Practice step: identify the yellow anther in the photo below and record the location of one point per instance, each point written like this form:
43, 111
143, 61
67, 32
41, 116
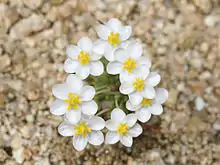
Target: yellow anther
113, 39
129, 65
139, 84
73, 101
84, 58
82, 129
123, 129
146, 102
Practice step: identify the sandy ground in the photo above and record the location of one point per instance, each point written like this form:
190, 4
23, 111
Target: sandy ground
183, 41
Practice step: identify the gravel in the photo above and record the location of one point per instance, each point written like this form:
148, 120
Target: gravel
182, 40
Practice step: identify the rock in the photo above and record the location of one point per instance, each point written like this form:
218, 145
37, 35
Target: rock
2, 101
43, 161
178, 121
8, 15
33, 95
4, 62
204, 5
156, 158
216, 125
33, 4
32, 24
18, 154
173, 94
30, 118
14, 84
3, 155
16, 142
200, 104
211, 20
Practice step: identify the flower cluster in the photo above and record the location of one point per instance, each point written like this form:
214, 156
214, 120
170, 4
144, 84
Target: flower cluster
126, 86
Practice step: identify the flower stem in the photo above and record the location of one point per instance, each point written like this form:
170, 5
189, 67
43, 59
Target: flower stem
103, 91
103, 111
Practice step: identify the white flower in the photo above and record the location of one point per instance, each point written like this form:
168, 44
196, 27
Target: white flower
128, 62
122, 127
73, 97
87, 130
112, 34
83, 59
147, 107
139, 87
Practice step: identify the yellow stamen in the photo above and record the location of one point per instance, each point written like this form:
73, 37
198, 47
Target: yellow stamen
113, 39
129, 65
82, 129
122, 129
73, 101
139, 84
146, 102
84, 58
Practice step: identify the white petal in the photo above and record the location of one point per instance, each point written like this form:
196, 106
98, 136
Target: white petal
143, 115
126, 88
130, 120
89, 107
96, 123
135, 50
95, 57
117, 115
83, 71
114, 24
132, 107
97, 68
60, 91
70, 65
148, 92
121, 55
135, 98
96, 138
125, 32
88, 92
73, 116
153, 79
72, 51
58, 107
112, 137
126, 77
79, 143
114, 67
142, 71
85, 44
144, 61
75, 83
136, 130
111, 125
161, 95
156, 109
66, 129
103, 32
126, 140
109, 52
99, 47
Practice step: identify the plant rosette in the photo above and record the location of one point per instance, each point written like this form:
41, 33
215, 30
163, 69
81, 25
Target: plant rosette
109, 89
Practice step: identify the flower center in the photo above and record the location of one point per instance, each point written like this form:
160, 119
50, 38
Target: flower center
113, 39
122, 129
129, 65
139, 84
146, 102
82, 129
73, 101
84, 58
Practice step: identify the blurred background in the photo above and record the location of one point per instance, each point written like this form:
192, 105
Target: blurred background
182, 38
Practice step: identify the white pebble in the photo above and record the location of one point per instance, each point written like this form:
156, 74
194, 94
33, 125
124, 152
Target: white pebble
200, 104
